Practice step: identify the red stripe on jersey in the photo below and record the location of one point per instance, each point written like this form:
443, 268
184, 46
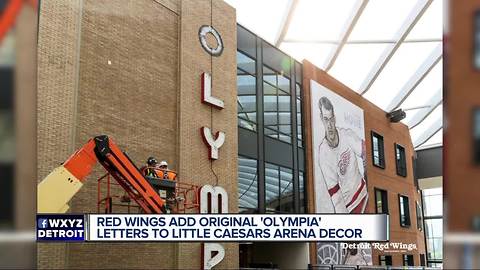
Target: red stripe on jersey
358, 209
355, 196
334, 190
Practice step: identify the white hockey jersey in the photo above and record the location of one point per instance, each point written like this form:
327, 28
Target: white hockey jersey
343, 172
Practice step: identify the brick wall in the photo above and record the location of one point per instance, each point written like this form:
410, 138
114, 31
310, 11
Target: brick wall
387, 178
194, 164
131, 70
461, 97
57, 72
127, 90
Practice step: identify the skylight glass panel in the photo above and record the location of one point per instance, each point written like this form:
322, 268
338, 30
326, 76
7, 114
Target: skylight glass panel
381, 20
430, 24
354, 62
429, 87
404, 63
434, 140
264, 18
318, 54
427, 124
320, 20
411, 113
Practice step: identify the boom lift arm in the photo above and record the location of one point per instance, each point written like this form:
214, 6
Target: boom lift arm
58, 188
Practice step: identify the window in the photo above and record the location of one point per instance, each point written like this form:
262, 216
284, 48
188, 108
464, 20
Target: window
378, 153
434, 231
278, 189
433, 202
269, 100
422, 259
407, 260
301, 181
435, 265
385, 260
298, 99
404, 211
476, 134
476, 57
6, 192
433, 224
7, 133
419, 217
247, 185
276, 104
246, 92
400, 160
381, 201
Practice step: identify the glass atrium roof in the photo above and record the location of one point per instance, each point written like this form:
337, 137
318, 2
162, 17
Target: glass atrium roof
388, 51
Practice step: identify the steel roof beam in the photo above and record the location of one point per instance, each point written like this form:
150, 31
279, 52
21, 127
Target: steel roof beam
348, 30
286, 20
388, 53
366, 41
429, 132
422, 115
416, 78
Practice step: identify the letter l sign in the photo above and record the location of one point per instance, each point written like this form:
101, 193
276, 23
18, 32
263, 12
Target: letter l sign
207, 92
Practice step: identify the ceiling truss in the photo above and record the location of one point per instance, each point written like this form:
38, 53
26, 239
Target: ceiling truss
388, 53
423, 111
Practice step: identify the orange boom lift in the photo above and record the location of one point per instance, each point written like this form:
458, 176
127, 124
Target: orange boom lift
57, 189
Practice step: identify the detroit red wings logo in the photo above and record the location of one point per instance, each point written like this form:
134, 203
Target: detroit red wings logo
344, 162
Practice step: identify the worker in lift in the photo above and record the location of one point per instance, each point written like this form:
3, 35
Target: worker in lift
150, 168
164, 173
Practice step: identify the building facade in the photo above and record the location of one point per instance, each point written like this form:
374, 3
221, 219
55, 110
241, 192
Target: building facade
462, 166
132, 70
389, 169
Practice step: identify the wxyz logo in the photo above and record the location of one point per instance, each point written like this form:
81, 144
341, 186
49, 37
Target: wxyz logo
61, 223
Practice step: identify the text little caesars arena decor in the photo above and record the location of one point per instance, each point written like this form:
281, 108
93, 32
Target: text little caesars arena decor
238, 228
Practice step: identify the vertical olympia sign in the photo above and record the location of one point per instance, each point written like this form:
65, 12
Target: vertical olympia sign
213, 142
212, 253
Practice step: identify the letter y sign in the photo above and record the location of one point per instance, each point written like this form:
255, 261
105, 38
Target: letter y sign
213, 144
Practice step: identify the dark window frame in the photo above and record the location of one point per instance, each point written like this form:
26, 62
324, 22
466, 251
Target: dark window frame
476, 137
280, 198
303, 205
423, 260
408, 260
401, 163
476, 40
406, 211
381, 149
254, 124
299, 98
268, 56
419, 215
289, 94
7, 167
384, 203
250, 210
385, 258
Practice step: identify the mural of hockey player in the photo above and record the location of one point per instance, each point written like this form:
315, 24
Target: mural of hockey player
341, 159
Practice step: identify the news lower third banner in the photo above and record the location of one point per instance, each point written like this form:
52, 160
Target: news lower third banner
213, 227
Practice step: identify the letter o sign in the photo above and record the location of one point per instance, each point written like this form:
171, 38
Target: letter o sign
202, 35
